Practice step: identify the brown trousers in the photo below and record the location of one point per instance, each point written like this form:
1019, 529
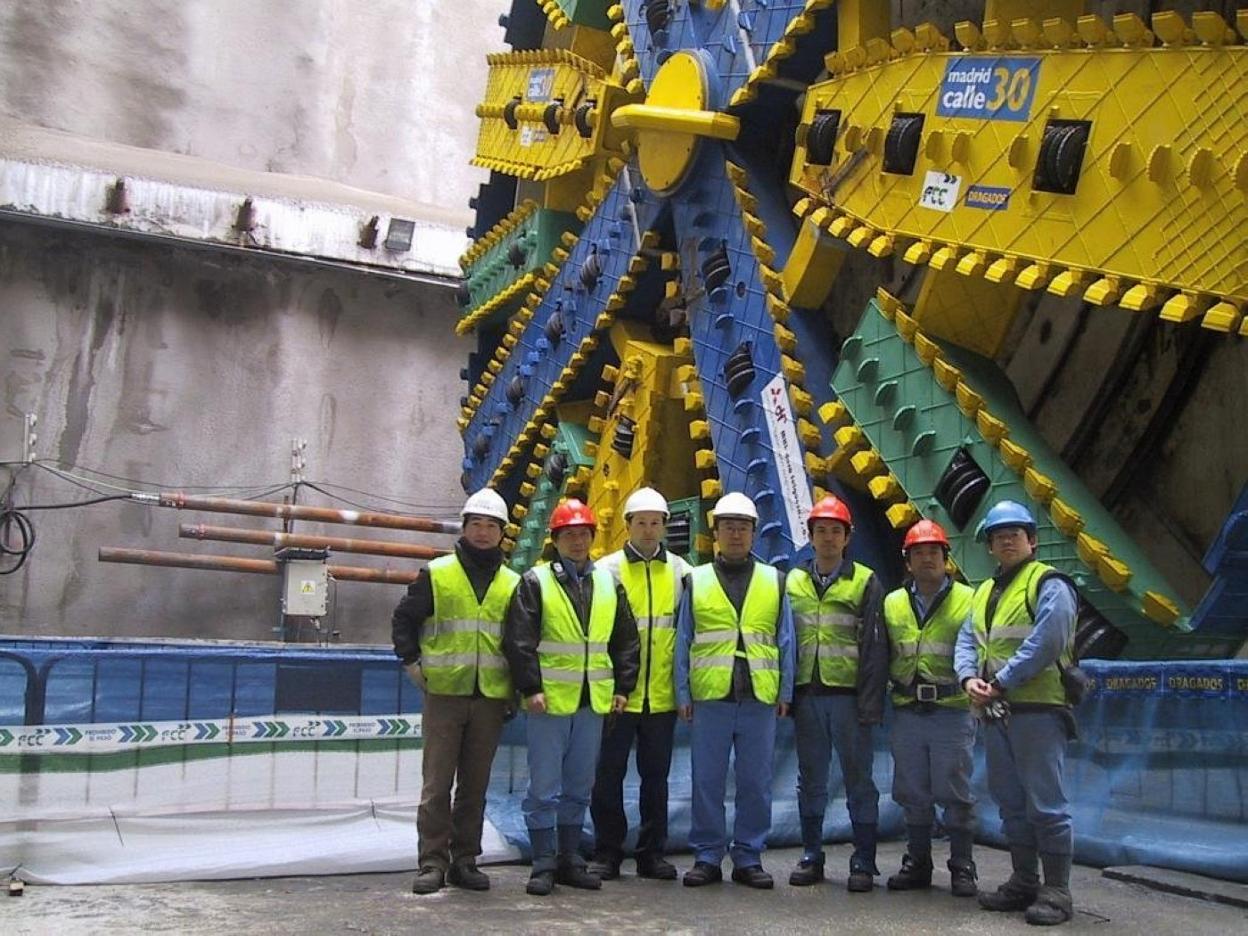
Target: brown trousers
460, 737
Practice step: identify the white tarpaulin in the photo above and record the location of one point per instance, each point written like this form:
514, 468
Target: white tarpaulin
259, 814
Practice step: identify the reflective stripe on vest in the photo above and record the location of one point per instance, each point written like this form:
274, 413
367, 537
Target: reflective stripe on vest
461, 644
652, 589
567, 655
1012, 623
828, 627
924, 654
717, 628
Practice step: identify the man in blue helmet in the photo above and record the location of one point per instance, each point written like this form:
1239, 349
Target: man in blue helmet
1010, 656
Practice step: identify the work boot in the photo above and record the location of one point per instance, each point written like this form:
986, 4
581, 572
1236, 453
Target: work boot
1053, 904
655, 867
606, 867
1010, 897
810, 869
703, 873
753, 876
1051, 907
429, 880
1019, 892
962, 871
862, 867
541, 883
914, 875
962, 878
576, 875
571, 869
542, 880
466, 875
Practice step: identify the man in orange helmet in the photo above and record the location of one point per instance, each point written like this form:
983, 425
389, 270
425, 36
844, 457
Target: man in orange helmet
933, 736
842, 673
572, 645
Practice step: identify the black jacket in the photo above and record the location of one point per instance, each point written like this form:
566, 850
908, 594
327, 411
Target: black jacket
523, 632
872, 648
416, 606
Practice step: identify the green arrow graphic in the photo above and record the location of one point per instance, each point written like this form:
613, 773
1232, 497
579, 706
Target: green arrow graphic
5, 737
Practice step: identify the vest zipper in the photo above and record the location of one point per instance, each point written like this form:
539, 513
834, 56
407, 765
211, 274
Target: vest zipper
645, 686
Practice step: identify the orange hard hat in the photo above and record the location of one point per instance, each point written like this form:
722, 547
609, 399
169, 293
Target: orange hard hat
830, 508
925, 531
572, 513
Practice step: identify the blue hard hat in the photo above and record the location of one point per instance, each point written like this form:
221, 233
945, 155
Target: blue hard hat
1006, 513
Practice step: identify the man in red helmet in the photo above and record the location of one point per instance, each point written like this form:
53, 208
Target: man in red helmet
933, 736
842, 673
572, 645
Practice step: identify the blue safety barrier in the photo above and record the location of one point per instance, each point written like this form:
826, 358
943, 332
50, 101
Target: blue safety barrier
1158, 775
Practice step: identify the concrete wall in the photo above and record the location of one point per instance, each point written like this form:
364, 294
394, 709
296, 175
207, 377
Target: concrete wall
379, 95
186, 368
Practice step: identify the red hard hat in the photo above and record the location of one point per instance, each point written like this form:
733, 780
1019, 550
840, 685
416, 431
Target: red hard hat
925, 531
572, 513
830, 508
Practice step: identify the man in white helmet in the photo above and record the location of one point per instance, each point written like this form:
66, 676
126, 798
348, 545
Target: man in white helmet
651, 577
448, 632
734, 678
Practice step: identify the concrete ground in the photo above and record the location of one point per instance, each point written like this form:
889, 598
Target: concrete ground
383, 903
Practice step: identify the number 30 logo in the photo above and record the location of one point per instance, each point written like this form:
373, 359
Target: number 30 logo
1012, 88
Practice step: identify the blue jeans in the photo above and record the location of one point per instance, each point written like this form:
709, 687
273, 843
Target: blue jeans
748, 731
563, 754
1025, 758
932, 763
825, 722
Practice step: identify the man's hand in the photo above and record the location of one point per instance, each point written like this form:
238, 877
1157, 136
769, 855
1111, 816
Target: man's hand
417, 675
617, 704
980, 691
782, 709
537, 703
686, 712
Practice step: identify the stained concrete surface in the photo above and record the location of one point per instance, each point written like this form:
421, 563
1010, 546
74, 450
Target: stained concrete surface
382, 903
185, 368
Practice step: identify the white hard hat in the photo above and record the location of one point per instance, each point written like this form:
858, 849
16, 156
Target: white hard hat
486, 503
644, 499
735, 505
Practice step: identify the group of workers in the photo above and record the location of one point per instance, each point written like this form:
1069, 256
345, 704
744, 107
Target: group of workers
606, 655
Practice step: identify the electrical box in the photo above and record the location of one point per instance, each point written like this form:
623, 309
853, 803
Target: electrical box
305, 581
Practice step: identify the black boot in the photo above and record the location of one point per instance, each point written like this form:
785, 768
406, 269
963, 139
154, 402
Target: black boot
914, 875
1019, 892
606, 867
570, 869
541, 883
916, 864
862, 868
962, 874
429, 880
963, 878
655, 867
465, 874
810, 869
753, 876
1053, 904
542, 879
703, 873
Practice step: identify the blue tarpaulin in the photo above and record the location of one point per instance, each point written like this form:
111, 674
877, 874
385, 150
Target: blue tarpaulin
1159, 774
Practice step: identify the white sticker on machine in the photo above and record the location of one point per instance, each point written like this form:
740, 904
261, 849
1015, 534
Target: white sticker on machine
789, 464
940, 191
